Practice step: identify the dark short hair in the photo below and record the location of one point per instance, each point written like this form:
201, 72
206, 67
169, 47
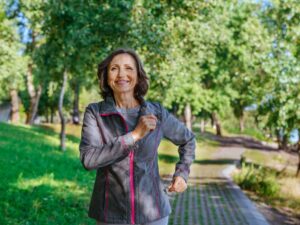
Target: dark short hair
142, 85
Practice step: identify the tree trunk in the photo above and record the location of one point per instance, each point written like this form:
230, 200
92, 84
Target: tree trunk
278, 138
298, 169
14, 106
51, 115
217, 124
202, 126
298, 148
241, 120
35, 104
61, 115
34, 96
75, 115
188, 116
47, 116
284, 143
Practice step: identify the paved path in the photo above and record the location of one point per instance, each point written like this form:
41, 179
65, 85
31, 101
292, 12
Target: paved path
212, 198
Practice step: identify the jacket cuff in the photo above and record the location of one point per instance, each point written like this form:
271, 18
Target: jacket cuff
127, 141
182, 172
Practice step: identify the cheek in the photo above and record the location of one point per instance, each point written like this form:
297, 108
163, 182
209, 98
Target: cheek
110, 78
135, 79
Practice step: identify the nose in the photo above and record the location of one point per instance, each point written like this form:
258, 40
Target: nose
121, 72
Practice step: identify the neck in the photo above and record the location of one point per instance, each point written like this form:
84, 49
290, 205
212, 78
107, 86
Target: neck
125, 101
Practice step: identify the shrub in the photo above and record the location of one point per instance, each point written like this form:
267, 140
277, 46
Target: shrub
257, 179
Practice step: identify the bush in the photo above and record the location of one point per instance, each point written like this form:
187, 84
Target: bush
257, 179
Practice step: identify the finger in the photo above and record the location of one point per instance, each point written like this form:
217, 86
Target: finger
147, 119
151, 116
151, 125
176, 183
182, 187
171, 189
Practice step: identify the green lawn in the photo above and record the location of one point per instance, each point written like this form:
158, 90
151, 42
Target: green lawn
42, 185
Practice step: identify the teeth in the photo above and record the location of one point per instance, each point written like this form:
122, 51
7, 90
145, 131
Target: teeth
122, 82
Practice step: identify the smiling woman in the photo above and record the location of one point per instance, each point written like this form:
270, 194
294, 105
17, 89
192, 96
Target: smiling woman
123, 66
122, 75
120, 138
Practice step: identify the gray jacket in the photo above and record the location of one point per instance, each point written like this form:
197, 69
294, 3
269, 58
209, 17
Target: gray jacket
128, 188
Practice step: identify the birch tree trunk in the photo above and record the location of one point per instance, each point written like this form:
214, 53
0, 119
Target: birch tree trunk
217, 124
202, 126
60, 111
188, 116
15, 106
242, 124
75, 115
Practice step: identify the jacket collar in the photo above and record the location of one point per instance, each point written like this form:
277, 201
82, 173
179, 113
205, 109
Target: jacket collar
108, 106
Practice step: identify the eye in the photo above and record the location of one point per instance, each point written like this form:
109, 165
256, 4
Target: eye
129, 68
113, 68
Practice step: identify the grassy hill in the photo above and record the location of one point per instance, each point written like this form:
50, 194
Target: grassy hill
41, 185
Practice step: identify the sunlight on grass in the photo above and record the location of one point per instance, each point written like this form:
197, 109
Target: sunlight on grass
290, 188
71, 129
273, 159
48, 180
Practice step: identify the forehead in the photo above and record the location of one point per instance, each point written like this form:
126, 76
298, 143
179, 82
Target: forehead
123, 58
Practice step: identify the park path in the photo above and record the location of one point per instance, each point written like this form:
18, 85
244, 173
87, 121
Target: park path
212, 198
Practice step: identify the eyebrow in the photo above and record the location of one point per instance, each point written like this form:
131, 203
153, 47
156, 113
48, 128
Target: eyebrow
118, 65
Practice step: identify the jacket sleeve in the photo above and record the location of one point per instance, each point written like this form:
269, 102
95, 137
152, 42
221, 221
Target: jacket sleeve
175, 131
94, 153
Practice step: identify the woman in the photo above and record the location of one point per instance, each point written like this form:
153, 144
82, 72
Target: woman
120, 137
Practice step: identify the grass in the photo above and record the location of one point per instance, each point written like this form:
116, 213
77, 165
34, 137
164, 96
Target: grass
280, 190
247, 132
42, 185
277, 160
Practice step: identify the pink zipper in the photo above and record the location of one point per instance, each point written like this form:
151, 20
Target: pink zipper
131, 170
131, 156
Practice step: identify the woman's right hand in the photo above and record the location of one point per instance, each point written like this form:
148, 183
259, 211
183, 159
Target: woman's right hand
145, 124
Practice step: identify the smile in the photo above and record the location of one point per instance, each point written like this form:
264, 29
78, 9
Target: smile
121, 82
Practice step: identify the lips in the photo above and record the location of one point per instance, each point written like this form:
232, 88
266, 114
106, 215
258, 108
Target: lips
122, 82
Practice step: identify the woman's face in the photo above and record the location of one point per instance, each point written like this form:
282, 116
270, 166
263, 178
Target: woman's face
122, 74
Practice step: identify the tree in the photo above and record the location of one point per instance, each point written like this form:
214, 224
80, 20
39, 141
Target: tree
281, 104
76, 33
11, 63
245, 55
30, 19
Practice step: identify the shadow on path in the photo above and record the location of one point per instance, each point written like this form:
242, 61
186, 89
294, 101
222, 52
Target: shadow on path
238, 141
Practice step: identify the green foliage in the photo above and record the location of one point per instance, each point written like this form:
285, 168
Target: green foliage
257, 179
281, 99
190, 56
11, 62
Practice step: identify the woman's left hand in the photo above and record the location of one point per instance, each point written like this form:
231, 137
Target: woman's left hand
178, 185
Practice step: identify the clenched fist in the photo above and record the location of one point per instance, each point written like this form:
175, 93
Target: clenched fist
145, 124
178, 185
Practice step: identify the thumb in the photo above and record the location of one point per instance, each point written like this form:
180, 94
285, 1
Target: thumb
171, 185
